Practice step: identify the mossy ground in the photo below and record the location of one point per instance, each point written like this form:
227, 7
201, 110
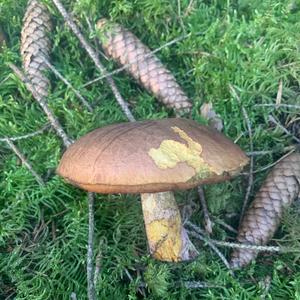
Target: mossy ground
251, 45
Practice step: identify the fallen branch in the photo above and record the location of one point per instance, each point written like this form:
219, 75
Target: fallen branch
93, 55
26, 136
200, 285
278, 105
90, 263
272, 164
242, 246
264, 152
279, 93
25, 161
213, 247
41, 101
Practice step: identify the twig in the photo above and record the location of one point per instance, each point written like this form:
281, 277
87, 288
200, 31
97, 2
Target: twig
90, 263
279, 93
242, 246
279, 105
54, 122
250, 176
263, 152
274, 121
213, 247
26, 136
272, 164
176, 40
68, 84
207, 221
93, 55
200, 285
249, 247
25, 162
200, 234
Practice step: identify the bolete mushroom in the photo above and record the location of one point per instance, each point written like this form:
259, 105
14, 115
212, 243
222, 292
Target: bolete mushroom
153, 158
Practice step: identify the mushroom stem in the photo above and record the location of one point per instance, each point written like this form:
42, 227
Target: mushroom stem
167, 238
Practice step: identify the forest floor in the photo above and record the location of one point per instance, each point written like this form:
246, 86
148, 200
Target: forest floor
235, 54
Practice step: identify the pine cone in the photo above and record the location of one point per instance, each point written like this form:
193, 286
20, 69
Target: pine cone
262, 218
126, 48
36, 44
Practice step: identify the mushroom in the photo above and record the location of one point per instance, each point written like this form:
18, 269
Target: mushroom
153, 158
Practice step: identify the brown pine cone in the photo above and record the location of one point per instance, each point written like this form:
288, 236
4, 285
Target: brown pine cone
262, 218
36, 44
126, 48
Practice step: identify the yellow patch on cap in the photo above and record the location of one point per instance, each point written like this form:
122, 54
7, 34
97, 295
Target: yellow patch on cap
171, 152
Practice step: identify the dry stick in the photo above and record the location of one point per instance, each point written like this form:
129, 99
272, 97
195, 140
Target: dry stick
25, 161
279, 93
200, 234
124, 106
264, 152
200, 285
176, 40
68, 84
274, 121
241, 246
26, 136
207, 221
90, 264
94, 57
213, 247
250, 247
54, 122
279, 105
250, 177
272, 164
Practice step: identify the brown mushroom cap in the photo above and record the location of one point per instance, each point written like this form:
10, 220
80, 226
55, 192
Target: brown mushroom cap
150, 156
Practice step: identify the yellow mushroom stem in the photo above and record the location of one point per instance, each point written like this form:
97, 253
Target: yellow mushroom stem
167, 238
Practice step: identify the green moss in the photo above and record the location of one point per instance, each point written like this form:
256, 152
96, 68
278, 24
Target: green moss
251, 45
